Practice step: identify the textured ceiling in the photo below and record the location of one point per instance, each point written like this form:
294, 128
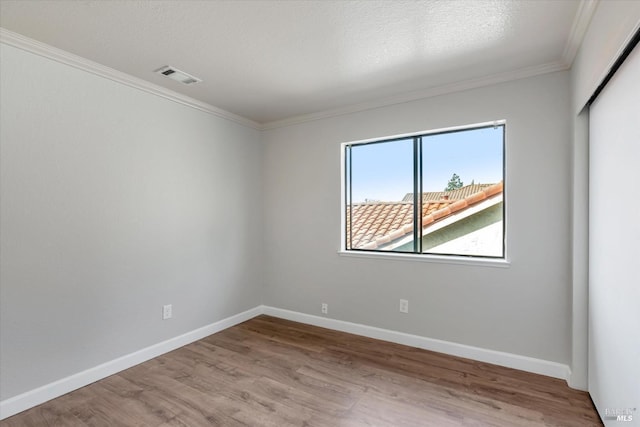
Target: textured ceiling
272, 60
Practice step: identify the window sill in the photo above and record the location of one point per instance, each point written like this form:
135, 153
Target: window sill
476, 262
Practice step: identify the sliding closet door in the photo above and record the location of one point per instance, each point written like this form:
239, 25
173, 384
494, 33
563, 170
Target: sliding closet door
614, 247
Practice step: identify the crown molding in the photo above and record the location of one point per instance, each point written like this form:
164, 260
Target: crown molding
583, 17
518, 74
585, 12
33, 46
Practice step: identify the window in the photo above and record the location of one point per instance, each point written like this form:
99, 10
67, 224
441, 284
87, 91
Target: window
439, 192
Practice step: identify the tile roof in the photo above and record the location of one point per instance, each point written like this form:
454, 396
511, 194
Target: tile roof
458, 194
376, 224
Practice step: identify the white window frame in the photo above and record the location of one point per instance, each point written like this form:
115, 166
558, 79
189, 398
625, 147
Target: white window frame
424, 257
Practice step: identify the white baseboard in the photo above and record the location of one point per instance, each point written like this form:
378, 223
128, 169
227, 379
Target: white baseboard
24, 401
509, 360
578, 382
55, 389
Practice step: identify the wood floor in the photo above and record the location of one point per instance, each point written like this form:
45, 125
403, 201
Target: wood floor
272, 372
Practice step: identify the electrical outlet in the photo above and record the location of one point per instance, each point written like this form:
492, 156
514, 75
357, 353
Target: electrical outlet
325, 308
167, 312
404, 306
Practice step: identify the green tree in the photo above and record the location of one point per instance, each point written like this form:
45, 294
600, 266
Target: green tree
454, 183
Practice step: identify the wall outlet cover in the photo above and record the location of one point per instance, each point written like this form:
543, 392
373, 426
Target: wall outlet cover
167, 312
404, 306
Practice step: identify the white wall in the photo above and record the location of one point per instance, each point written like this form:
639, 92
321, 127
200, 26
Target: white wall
115, 202
486, 241
612, 25
524, 309
614, 230
580, 251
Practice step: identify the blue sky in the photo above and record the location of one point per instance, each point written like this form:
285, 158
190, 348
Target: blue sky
384, 171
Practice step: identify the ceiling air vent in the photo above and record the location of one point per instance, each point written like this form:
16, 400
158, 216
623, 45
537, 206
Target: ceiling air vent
177, 75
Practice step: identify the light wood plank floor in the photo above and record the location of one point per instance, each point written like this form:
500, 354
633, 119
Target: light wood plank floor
272, 372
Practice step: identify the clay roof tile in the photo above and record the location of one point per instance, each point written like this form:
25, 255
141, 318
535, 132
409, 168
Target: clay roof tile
378, 223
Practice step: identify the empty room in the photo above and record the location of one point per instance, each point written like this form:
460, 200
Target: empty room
319, 213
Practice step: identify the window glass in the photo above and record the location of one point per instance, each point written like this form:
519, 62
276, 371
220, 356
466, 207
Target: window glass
380, 173
435, 193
